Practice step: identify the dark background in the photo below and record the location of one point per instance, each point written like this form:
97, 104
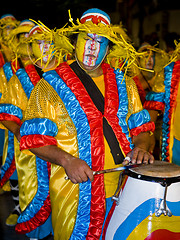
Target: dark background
54, 13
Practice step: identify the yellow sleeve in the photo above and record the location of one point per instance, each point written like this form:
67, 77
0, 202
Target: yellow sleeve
15, 94
3, 82
134, 102
42, 102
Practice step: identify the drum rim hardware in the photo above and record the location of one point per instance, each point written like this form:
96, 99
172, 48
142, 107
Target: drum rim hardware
163, 208
162, 180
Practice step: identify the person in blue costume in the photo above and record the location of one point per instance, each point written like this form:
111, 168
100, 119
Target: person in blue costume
85, 116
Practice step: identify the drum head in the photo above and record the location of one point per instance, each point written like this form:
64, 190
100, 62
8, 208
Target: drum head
158, 169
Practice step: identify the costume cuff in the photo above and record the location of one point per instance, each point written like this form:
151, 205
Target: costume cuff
10, 112
138, 119
155, 96
153, 105
38, 132
40, 126
147, 127
36, 141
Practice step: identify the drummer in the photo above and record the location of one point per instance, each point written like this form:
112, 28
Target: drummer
165, 99
82, 117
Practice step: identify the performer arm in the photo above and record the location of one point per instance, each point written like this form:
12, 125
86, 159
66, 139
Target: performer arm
140, 153
141, 127
76, 169
39, 131
13, 127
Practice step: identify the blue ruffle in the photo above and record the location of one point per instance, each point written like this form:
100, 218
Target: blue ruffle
138, 119
11, 109
41, 194
10, 154
123, 104
42, 126
165, 126
84, 145
8, 70
25, 81
155, 96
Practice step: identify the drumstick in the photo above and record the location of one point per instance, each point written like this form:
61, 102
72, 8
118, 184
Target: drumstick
115, 169
112, 169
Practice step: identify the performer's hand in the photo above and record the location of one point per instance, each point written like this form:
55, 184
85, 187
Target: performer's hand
139, 155
77, 170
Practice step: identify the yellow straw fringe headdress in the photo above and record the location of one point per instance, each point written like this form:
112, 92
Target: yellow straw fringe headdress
161, 57
4, 22
176, 53
121, 51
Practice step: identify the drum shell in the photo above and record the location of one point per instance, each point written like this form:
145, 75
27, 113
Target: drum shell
134, 216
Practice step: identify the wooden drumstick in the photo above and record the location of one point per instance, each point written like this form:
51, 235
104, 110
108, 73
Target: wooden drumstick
112, 169
115, 169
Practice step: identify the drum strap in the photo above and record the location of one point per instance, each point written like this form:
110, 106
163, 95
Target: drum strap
98, 100
39, 71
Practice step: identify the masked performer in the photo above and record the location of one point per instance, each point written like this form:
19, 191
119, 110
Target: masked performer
78, 118
35, 219
164, 98
8, 68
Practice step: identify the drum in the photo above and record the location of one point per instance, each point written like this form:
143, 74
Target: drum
148, 206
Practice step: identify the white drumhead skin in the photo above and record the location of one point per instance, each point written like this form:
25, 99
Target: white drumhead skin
158, 169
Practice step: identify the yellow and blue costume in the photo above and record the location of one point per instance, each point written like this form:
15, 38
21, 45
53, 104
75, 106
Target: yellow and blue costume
68, 119
35, 219
164, 97
61, 112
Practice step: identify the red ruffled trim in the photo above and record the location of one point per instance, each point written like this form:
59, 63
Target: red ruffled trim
32, 73
36, 141
97, 148
140, 88
8, 173
2, 62
154, 105
150, 126
39, 218
9, 117
112, 105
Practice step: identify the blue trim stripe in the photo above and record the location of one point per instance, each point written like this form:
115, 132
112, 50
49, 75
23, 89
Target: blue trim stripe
41, 126
165, 126
25, 81
123, 104
84, 144
138, 119
8, 70
155, 96
11, 109
10, 154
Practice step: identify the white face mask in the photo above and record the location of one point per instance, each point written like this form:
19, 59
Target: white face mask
41, 50
91, 50
44, 47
